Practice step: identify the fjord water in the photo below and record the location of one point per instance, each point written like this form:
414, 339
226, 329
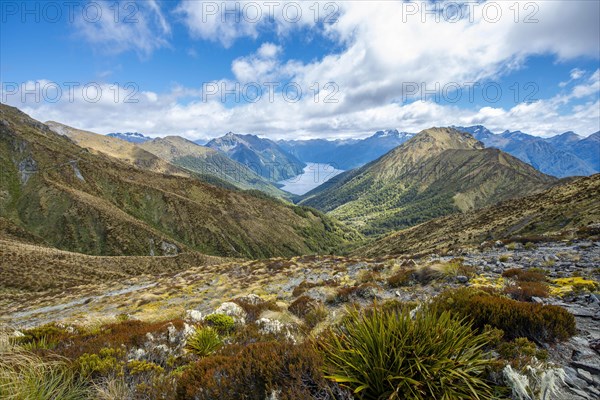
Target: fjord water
313, 175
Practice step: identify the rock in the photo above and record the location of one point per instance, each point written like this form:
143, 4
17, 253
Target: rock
193, 315
462, 279
233, 310
253, 299
586, 376
537, 300
270, 326
498, 243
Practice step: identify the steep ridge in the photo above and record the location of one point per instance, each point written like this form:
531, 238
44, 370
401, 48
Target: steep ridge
263, 156
570, 206
117, 148
438, 172
98, 205
206, 161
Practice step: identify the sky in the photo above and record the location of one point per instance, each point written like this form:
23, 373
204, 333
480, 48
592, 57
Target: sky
303, 69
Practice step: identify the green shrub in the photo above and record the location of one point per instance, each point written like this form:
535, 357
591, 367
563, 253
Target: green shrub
223, 324
537, 322
204, 341
107, 361
520, 352
388, 355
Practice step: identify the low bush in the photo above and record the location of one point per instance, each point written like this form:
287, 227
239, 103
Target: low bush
364, 291
537, 322
520, 353
404, 277
388, 355
223, 324
253, 310
302, 306
257, 371
525, 275
204, 341
525, 291
108, 361
132, 333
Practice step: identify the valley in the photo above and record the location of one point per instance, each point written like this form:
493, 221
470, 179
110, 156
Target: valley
152, 264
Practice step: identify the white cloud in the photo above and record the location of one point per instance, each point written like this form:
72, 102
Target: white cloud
383, 48
124, 26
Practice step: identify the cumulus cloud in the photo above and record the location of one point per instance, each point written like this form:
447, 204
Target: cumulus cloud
382, 50
124, 26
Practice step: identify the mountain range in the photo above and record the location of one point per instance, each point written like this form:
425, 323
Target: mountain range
209, 162
263, 156
567, 154
65, 196
437, 172
346, 154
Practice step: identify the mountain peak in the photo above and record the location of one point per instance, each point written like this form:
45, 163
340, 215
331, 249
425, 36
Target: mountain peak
133, 137
445, 139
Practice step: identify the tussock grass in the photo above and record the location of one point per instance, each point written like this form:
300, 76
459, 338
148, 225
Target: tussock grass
387, 355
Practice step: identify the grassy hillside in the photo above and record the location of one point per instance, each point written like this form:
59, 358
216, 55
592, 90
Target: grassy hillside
206, 161
569, 209
94, 204
438, 172
117, 148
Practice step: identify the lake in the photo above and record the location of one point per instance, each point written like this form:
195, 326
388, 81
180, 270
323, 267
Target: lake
313, 175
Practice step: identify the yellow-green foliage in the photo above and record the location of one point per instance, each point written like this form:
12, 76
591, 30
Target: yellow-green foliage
108, 360
521, 352
483, 281
387, 355
575, 283
222, 323
204, 341
142, 366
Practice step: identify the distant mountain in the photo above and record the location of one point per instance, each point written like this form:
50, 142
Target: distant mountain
561, 156
346, 154
206, 161
569, 209
588, 149
263, 156
120, 149
437, 172
132, 137
79, 200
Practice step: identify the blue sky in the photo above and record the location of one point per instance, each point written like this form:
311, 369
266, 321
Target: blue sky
536, 70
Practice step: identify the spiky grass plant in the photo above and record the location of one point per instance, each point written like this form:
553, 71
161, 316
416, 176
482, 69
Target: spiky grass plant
25, 376
387, 355
204, 341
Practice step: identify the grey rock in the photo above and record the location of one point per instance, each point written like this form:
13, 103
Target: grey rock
585, 375
462, 279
